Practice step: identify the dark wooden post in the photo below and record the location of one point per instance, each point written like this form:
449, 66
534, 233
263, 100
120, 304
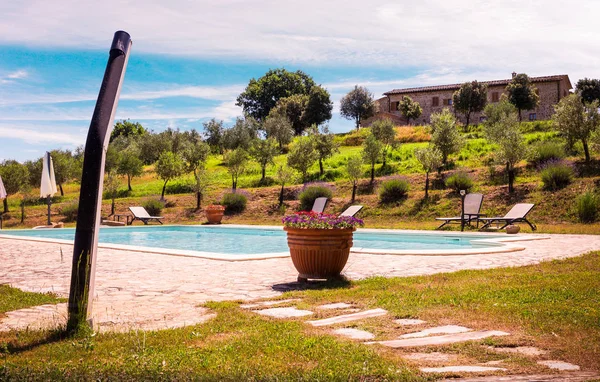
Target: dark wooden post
90, 197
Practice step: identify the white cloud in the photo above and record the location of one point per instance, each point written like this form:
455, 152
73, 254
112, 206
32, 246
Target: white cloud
545, 36
17, 75
33, 135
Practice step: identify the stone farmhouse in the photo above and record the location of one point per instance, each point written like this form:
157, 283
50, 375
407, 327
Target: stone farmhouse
434, 98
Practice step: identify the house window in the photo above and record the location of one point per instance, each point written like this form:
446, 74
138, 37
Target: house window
395, 106
532, 116
435, 101
448, 102
495, 97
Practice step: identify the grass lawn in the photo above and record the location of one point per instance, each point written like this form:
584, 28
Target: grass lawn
553, 305
13, 299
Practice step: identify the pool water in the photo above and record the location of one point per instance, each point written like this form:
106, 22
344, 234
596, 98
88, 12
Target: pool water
248, 241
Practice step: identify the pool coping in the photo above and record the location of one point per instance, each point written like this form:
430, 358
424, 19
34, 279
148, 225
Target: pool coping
489, 246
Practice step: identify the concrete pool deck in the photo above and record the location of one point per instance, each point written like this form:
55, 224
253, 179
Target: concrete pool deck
139, 290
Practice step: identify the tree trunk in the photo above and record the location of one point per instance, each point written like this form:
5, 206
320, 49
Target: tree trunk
520, 118
198, 200
264, 173
62, 193
281, 196
320, 167
511, 180
112, 206
426, 185
408, 121
468, 118
162, 195
384, 158
6, 205
129, 182
586, 150
372, 173
357, 122
354, 186
233, 183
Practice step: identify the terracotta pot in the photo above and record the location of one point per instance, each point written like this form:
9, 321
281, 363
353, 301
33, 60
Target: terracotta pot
214, 215
512, 229
319, 253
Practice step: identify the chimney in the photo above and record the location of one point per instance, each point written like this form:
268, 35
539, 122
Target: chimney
514, 74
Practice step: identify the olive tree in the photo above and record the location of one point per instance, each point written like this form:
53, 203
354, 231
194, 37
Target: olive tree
430, 159
358, 105
354, 171
522, 93
410, 109
283, 176
302, 156
169, 166
195, 156
130, 165
503, 132
470, 98
577, 121
371, 151
111, 187
14, 176
385, 132
444, 134
263, 151
64, 167
236, 162
324, 144
278, 127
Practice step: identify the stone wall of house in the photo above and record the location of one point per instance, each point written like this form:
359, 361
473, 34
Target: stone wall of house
550, 93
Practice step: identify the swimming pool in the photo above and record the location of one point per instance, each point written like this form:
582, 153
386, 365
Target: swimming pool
235, 242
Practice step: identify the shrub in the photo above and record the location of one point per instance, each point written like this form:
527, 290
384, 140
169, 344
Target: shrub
587, 207
309, 194
153, 206
556, 176
180, 187
234, 202
393, 191
546, 151
70, 211
411, 134
460, 180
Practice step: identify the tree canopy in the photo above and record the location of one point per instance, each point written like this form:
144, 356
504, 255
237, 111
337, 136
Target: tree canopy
410, 109
576, 121
358, 105
588, 89
444, 134
169, 166
385, 132
470, 98
522, 93
126, 128
14, 176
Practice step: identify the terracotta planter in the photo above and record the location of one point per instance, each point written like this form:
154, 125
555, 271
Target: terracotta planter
319, 253
214, 214
512, 229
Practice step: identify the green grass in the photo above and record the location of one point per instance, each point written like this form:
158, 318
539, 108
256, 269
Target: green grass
553, 305
13, 299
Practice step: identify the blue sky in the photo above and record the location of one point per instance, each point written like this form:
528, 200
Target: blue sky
189, 61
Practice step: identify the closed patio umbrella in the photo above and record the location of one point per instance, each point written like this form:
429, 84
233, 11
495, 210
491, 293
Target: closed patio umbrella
48, 185
3, 195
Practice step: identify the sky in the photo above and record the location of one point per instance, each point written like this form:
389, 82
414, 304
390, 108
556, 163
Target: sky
191, 59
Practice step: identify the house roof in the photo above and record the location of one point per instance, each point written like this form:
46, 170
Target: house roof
489, 83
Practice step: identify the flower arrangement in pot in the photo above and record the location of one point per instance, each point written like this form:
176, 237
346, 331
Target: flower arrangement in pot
214, 213
319, 243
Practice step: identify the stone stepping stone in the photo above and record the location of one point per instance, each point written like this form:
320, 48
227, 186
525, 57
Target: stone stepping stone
349, 317
409, 321
524, 350
284, 312
337, 305
431, 357
559, 365
440, 340
562, 377
355, 334
461, 369
267, 303
446, 329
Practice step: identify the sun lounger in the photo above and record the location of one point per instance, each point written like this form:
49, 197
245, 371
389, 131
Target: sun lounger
473, 204
516, 214
320, 204
351, 211
140, 213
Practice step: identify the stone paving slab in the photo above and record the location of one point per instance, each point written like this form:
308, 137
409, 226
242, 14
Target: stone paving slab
524, 350
349, 317
461, 369
566, 377
431, 357
409, 322
559, 365
440, 340
162, 285
446, 329
284, 312
337, 305
355, 334
268, 303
